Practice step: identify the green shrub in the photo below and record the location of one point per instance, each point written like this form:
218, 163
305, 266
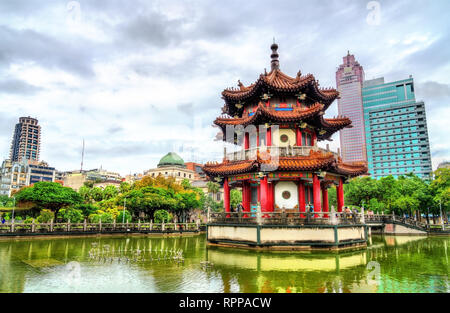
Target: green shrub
120, 218
162, 215
29, 220
104, 217
72, 214
46, 216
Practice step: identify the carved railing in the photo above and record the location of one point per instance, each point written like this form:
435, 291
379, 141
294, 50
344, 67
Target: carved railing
46, 228
250, 154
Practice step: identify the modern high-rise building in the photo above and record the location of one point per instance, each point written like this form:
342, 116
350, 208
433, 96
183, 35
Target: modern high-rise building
26, 140
349, 80
396, 129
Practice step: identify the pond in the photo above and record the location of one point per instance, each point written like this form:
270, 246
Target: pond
186, 264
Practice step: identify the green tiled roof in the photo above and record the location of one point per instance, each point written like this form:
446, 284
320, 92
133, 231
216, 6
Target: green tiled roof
171, 159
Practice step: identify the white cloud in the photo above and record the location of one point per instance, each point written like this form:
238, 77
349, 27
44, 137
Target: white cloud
130, 78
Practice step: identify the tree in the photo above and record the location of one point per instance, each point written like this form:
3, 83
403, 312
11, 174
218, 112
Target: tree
124, 187
162, 216
235, 197
45, 216
361, 189
96, 194
214, 205
70, 214
120, 218
85, 193
109, 192
213, 188
48, 195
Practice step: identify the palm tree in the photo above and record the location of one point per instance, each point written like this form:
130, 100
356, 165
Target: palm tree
213, 188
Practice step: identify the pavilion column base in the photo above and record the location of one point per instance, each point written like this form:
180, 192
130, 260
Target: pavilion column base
279, 237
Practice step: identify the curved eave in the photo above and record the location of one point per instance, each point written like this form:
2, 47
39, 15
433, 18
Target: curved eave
230, 168
269, 115
351, 169
315, 161
332, 125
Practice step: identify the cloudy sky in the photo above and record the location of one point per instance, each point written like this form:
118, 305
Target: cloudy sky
137, 79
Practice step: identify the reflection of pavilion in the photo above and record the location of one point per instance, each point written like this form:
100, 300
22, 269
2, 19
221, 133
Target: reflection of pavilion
285, 261
292, 272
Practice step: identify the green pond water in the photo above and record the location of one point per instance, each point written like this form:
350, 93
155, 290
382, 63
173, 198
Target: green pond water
130, 264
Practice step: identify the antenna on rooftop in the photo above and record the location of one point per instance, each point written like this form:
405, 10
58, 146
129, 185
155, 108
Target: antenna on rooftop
82, 157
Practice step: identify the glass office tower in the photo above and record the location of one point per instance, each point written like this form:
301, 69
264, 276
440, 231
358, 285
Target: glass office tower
396, 129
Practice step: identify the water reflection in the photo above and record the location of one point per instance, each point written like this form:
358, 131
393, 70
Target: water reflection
404, 264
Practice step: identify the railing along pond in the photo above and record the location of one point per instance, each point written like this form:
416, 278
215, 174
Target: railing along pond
287, 218
100, 227
389, 218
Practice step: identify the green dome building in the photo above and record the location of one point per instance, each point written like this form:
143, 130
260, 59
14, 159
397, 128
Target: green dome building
172, 165
171, 159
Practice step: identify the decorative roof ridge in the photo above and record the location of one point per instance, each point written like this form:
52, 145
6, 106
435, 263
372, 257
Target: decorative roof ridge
317, 108
269, 78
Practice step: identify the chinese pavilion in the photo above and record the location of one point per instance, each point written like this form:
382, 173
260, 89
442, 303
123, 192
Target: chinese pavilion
280, 166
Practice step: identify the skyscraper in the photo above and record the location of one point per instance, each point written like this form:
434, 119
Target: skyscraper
349, 80
396, 129
26, 140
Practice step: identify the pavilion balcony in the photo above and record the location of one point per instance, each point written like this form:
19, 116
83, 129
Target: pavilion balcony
250, 154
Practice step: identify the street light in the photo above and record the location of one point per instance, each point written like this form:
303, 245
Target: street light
123, 214
14, 206
440, 210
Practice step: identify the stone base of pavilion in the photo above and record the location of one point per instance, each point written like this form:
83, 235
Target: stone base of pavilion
278, 231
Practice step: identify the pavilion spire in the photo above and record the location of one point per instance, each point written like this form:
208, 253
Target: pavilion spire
274, 64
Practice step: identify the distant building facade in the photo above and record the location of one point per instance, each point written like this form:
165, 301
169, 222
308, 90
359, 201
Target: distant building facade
349, 81
444, 164
197, 168
396, 129
26, 140
15, 175
172, 165
76, 179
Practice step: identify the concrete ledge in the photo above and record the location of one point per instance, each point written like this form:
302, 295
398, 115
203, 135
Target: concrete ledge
288, 237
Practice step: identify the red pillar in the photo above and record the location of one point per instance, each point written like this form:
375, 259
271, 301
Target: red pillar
314, 138
246, 141
271, 197
301, 198
226, 195
299, 137
340, 195
246, 197
316, 194
325, 200
269, 137
264, 194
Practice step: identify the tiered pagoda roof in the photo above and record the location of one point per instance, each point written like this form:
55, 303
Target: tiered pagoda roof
313, 115
316, 160
277, 81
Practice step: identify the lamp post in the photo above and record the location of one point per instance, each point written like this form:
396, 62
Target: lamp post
440, 210
123, 214
14, 206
